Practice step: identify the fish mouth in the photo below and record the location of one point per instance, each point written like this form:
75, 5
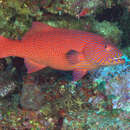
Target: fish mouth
119, 60
115, 61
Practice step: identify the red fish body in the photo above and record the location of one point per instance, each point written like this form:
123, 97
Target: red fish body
62, 49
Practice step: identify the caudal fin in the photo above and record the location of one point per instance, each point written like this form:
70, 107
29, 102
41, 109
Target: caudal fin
7, 47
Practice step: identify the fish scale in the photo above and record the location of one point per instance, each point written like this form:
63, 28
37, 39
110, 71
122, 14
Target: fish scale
62, 49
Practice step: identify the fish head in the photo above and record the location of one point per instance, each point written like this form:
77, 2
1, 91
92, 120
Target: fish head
103, 53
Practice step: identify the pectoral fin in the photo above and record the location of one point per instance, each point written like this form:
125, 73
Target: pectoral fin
32, 66
78, 62
74, 57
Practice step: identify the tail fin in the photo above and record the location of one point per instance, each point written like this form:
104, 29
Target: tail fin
6, 47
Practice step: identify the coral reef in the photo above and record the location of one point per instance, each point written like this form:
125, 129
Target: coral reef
48, 100
117, 84
108, 30
109, 103
96, 102
16, 16
126, 3
7, 83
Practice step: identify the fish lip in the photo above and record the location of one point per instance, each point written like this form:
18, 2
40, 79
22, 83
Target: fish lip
122, 61
119, 60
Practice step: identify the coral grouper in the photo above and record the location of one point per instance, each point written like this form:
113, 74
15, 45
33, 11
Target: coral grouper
70, 50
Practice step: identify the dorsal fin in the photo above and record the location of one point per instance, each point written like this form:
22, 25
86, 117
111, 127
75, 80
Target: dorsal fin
37, 27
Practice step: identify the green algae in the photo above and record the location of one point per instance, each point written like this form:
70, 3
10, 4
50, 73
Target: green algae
16, 17
15, 20
108, 30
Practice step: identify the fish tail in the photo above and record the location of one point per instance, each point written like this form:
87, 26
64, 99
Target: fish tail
7, 47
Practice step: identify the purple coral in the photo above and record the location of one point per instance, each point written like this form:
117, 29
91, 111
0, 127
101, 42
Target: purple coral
117, 80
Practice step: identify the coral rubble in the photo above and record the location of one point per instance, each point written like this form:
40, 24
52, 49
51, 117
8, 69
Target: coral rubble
48, 100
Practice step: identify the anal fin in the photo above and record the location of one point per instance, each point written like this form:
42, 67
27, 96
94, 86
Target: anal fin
33, 66
78, 74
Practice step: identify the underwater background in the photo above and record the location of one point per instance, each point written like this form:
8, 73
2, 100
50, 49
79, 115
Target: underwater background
47, 99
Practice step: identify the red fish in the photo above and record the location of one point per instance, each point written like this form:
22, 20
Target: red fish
70, 50
84, 12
